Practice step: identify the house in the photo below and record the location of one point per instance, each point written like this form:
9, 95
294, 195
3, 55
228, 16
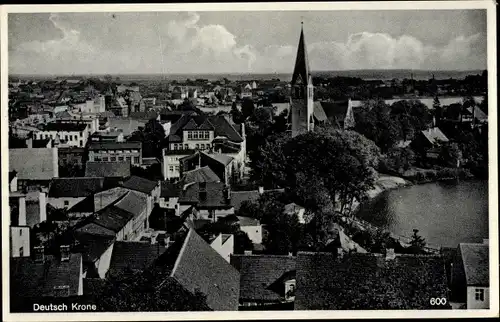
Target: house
470, 275
171, 162
292, 209
427, 142
223, 166
169, 195
33, 278
45, 143
34, 167
134, 256
124, 218
108, 169
19, 230
251, 226
223, 244
331, 281
265, 280
66, 192
116, 151
150, 189
111, 136
212, 275
196, 132
65, 134
211, 200
96, 250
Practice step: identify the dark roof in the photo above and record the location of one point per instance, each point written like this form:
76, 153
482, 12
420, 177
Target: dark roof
134, 255
259, 274
238, 197
214, 196
218, 123
30, 279
335, 111
169, 190
74, 187
211, 275
140, 184
66, 127
221, 158
92, 246
203, 174
34, 164
368, 281
107, 169
301, 68
115, 145
475, 258
40, 143
12, 175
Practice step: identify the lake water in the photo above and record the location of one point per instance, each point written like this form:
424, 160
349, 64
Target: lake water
445, 213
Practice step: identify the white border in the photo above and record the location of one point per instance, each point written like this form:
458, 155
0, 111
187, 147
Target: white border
303, 6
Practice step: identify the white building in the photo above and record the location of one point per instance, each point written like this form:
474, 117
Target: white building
65, 134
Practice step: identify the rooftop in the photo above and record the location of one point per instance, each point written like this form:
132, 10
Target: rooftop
475, 258
34, 164
65, 127
140, 184
74, 187
107, 169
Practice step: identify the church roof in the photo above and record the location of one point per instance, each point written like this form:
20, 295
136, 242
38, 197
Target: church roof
301, 70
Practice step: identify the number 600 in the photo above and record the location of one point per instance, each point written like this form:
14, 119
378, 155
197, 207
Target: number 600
438, 301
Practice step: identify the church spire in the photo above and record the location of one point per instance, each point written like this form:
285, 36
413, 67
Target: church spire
301, 70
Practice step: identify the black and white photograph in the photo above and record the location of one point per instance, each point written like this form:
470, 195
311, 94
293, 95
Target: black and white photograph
294, 157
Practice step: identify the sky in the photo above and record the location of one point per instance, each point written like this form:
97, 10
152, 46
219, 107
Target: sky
244, 42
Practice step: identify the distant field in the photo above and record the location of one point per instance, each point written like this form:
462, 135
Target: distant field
364, 74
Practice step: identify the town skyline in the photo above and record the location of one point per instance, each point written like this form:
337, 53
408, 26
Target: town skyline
212, 42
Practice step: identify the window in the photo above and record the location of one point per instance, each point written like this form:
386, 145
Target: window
171, 168
136, 160
207, 135
61, 291
186, 146
202, 146
120, 158
97, 159
190, 135
195, 135
479, 294
105, 159
20, 232
112, 159
66, 203
21, 251
128, 159
177, 168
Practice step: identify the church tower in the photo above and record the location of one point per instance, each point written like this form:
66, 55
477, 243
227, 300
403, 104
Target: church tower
302, 91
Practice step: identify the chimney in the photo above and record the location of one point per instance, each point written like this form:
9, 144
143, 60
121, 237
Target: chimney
261, 190
248, 252
22, 211
227, 193
390, 254
39, 254
243, 132
64, 250
42, 201
433, 121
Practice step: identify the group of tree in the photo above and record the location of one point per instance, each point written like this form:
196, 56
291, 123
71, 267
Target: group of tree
324, 171
152, 136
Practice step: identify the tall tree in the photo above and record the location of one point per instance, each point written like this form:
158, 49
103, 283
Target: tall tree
247, 107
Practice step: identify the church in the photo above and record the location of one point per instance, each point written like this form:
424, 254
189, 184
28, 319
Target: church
304, 111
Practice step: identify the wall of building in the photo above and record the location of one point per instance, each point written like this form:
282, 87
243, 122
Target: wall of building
19, 238
104, 261
254, 233
226, 249
71, 138
206, 214
472, 303
64, 202
134, 156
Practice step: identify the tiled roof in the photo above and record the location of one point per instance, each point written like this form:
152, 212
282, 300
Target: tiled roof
258, 274
203, 174
434, 135
134, 255
247, 221
92, 246
218, 123
214, 196
368, 281
107, 169
211, 275
140, 184
66, 127
115, 145
30, 279
74, 187
301, 69
336, 111
238, 197
169, 190
478, 113
221, 158
133, 203
475, 258
34, 164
